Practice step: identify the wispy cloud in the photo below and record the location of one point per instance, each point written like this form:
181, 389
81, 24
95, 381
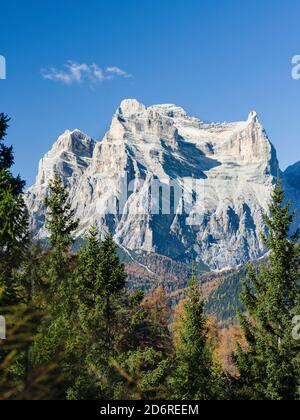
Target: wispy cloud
77, 73
118, 72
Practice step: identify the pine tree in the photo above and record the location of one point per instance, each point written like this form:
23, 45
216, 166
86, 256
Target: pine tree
144, 373
13, 220
111, 328
87, 271
7, 156
13, 237
146, 361
61, 224
89, 364
55, 283
6, 153
197, 376
102, 317
271, 299
111, 280
17, 380
13, 243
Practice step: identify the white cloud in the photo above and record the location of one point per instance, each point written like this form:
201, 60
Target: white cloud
118, 72
76, 73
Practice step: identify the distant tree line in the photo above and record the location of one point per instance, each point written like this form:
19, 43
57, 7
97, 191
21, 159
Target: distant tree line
75, 332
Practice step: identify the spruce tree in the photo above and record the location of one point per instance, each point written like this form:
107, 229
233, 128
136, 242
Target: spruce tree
103, 308
17, 381
13, 220
87, 270
145, 364
89, 364
13, 237
61, 225
196, 376
56, 296
61, 222
143, 375
7, 156
271, 299
111, 281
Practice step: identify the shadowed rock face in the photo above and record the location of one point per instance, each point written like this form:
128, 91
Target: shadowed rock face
292, 176
291, 182
235, 162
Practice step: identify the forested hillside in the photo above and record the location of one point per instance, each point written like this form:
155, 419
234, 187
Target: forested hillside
82, 326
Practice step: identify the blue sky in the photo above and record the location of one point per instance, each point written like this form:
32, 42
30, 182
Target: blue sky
218, 59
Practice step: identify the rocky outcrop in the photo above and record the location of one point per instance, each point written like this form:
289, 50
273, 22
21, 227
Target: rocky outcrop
166, 183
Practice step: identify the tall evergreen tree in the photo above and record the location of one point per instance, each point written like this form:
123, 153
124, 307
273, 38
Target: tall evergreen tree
145, 364
103, 312
6, 153
87, 271
13, 237
196, 376
113, 329
7, 156
13, 220
144, 373
89, 366
17, 381
61, 224
56, 281
271, 298
111, 278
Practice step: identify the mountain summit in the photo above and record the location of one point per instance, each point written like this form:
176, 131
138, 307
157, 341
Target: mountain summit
138, 183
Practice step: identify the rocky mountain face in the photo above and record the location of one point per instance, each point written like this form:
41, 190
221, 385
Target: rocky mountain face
166, 183
70, 156
291, 182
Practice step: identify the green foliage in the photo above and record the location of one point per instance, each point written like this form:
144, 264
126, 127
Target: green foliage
101, 281
57, 268
51, 278
13, 220
13, 234
18, 380
75, 332
90, 321
61, 224
271, 297
111, 274
145, 373
225, 302
196, 376
13, 225
112, 326
7, 157
6, 153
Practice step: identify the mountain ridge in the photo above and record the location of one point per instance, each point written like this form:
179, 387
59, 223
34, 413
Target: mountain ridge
235, 165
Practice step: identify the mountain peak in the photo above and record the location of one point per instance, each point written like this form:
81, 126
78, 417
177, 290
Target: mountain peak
235, 162
74, 141
130, 107
253, 117
169, 110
